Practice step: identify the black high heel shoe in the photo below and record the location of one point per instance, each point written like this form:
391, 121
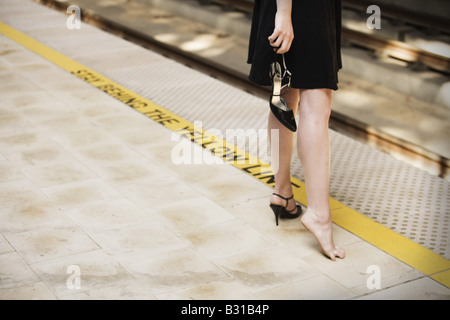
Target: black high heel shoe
277, 104
282, 212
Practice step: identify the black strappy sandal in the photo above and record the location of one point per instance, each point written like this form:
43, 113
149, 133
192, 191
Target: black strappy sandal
281, 81
282, 212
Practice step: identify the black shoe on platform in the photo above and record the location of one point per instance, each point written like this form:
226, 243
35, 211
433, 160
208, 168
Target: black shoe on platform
282, 212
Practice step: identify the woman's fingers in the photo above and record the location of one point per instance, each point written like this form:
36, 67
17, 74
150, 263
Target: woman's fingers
285, 46
281, 43
275, 39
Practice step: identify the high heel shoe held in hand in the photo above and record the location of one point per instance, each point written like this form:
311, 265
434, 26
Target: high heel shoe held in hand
281, 81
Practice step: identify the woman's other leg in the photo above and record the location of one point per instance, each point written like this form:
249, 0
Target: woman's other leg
281, 152
314, 153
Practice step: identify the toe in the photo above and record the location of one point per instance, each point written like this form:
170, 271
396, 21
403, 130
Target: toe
339, 253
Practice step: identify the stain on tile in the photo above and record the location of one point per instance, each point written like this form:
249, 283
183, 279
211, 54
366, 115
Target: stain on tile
106, 153
225, 239
45, 244
59, 173
175, 270
19, 139
260, 270
136, 240
102, 216
94, 269
78, 194
125, 172
216, 290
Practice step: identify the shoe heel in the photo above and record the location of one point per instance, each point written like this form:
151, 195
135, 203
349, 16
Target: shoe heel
276, 210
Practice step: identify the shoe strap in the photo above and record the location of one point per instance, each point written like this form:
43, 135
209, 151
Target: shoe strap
283, 87
290, 211
287, 199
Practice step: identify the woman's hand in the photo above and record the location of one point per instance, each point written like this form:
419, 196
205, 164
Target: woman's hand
283, 34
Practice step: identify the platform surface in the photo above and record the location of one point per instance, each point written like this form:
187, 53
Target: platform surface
91, 188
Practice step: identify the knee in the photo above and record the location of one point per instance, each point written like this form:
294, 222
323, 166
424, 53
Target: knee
316, 104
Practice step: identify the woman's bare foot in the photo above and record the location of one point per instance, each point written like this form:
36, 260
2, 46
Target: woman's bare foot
323, 232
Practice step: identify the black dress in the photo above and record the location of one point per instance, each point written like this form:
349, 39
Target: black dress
314, 58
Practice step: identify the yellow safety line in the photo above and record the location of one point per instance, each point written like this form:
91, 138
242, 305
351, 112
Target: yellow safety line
403, 249
443, 277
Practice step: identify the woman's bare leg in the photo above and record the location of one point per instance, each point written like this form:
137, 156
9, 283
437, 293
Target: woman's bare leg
314, 153
281, 152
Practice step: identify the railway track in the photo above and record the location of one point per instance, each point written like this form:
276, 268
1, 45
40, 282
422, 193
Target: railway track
338, 122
